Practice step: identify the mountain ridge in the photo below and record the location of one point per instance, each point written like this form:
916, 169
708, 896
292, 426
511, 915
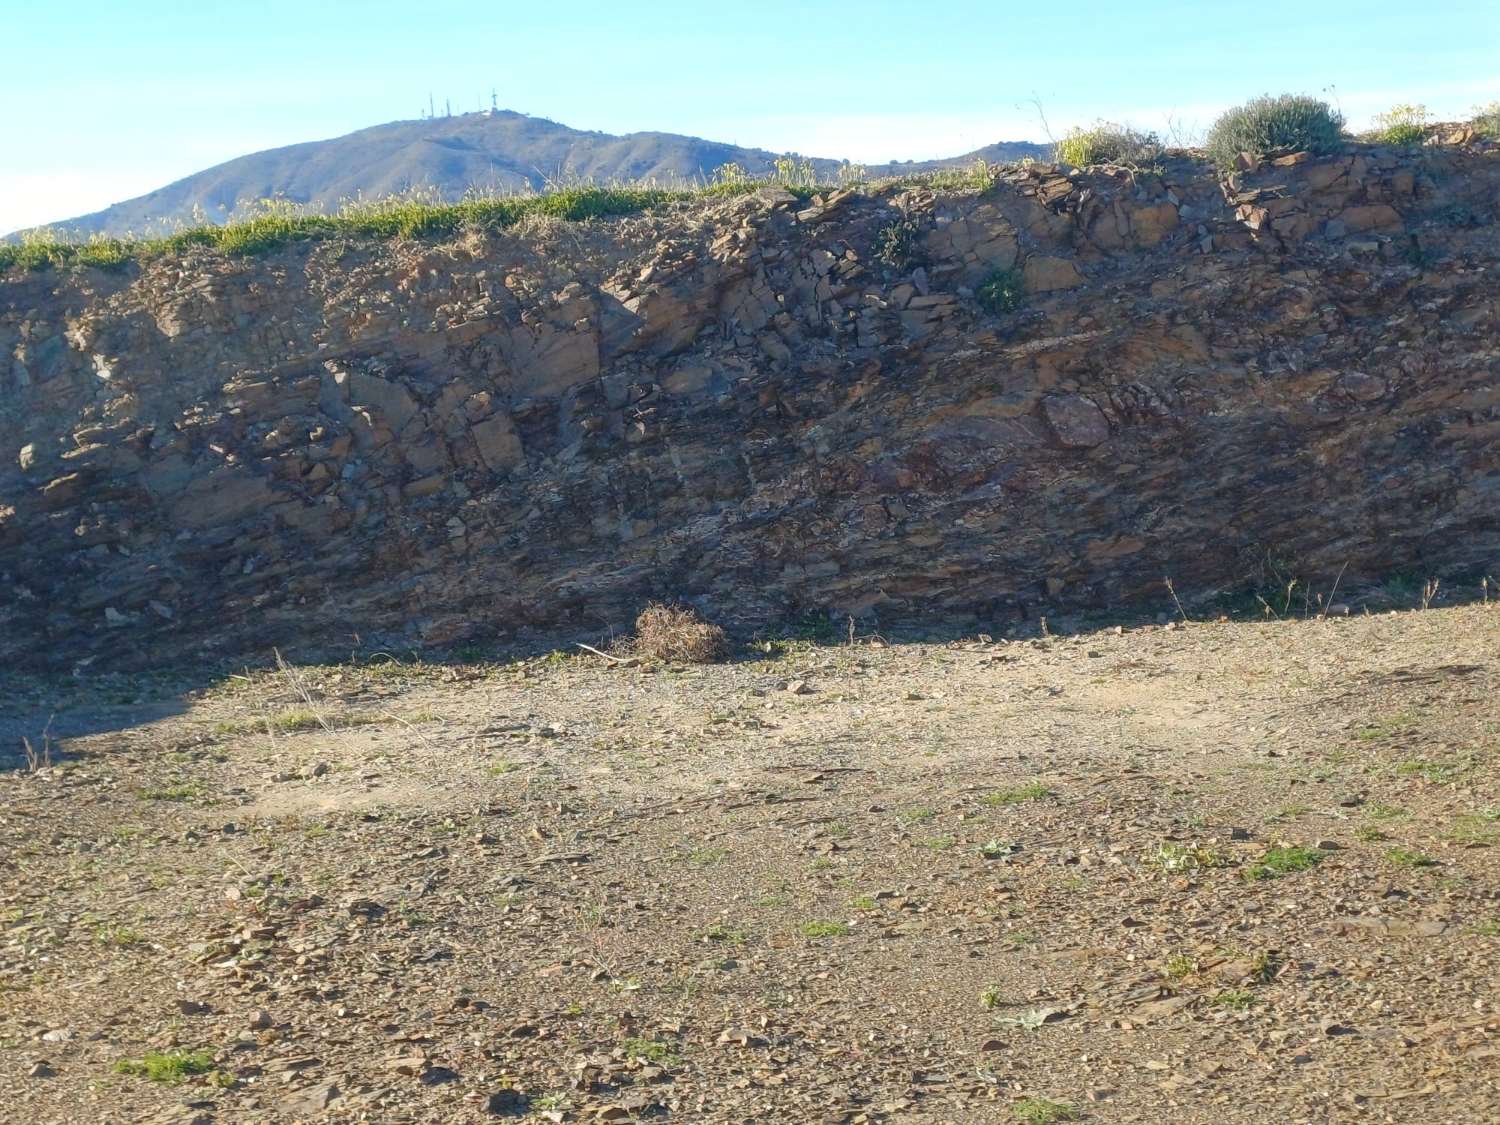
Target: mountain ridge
494, 150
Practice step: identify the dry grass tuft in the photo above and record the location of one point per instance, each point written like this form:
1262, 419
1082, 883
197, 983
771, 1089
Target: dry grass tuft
676, 633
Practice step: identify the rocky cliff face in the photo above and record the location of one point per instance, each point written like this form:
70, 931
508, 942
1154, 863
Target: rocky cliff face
741, 405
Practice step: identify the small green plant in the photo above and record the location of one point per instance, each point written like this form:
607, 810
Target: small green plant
991, 998
1176, 859
1003, 291
121, 937
938, 843
862, 902
1270, 126
822, 929
168, 1067
896, 244
1031, 791
731, 179
1406, 857
722, 933
1236, 1000
1042, 1111
1401, 125
705, 857
796, 174
650, 1050
1370, 834
1284, 860
916, 815
1265, 966
1486, 929
1179, 966
1107, 143
998, 849
1386, 812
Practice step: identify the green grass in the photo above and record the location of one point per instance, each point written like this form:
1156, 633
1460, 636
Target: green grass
1020, 794
272, 224
722, 933
1285, 860
279, 223
293, 721
1405, 857
1107, 143
169, 1067
1480, 829
820, 929
180, 792
1434, 773
1236, 1000
121, 937
1042, 1111
652, 1050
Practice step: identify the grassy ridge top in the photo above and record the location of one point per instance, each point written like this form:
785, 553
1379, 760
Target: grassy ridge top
278, 223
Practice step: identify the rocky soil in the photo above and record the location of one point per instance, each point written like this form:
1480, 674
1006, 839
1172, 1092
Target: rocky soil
766, 406
1227, 873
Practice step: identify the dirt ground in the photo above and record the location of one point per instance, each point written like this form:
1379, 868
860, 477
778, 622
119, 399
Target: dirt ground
1207, 873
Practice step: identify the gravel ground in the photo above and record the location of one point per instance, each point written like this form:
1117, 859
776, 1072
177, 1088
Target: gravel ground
1207, 873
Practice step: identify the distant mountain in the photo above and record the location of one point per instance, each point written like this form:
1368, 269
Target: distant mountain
498, 150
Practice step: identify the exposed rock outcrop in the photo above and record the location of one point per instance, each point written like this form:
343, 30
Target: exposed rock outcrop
737, 403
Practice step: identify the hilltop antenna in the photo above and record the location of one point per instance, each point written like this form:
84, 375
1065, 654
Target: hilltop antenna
494, 100
431, 106
447, 107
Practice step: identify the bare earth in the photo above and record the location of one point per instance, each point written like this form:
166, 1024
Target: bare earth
967, 882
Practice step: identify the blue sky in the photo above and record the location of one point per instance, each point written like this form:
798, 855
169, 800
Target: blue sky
106, 99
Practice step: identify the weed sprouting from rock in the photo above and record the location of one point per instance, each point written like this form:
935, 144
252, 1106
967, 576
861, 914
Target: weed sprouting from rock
1003, 291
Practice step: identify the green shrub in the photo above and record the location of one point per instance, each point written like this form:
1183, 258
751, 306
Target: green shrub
1268, 126
1284, 860
1400, 125
1003, 291
1487, 121
1107, 143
